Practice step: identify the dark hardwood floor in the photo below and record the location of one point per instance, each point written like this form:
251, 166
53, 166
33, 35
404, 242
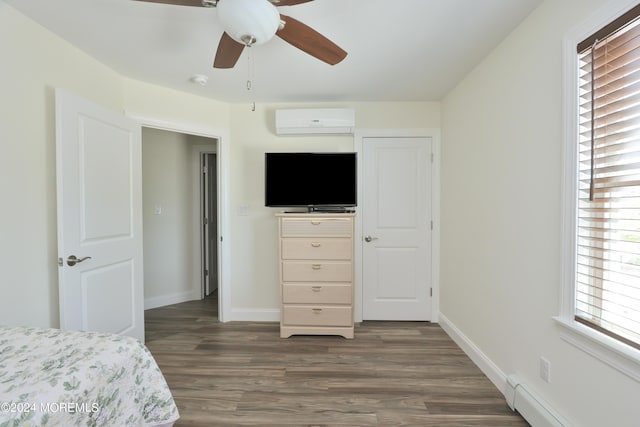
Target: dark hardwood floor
391, 374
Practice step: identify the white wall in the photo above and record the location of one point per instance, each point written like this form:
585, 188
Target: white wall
501, 216
34, 62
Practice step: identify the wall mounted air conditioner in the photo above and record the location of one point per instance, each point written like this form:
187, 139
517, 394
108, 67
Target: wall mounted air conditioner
315, 121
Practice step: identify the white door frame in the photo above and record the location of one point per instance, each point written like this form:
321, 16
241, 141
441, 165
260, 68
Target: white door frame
223, 166
197, 153
434, 134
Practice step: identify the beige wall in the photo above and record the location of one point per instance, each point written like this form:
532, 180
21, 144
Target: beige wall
254, 262
33, 63
169, 206
41, 62
501, 218
172, 244
501, 175
254, 245
167, 106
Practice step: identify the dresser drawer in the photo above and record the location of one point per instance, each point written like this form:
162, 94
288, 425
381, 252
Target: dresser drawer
321, 271
316, 226
338, 248
317, 316
294, 293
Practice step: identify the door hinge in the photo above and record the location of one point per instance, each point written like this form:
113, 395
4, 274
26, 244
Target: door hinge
206, 272
206, 221
60, 262
221, 238
430, 292
431, 225
431, 157
204, 170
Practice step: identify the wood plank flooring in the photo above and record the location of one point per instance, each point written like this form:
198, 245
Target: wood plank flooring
391, 374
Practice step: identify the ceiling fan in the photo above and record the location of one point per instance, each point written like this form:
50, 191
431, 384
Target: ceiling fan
253, 22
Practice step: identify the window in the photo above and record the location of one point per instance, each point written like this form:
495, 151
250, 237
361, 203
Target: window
607, 241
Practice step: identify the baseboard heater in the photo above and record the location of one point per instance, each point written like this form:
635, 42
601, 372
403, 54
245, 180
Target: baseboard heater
532, 408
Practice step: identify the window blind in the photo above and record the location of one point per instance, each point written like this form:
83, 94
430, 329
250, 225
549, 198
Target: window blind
608, 208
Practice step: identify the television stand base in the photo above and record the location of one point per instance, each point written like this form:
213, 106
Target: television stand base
329, 209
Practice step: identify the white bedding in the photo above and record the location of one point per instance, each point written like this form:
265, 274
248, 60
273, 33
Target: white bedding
50, 377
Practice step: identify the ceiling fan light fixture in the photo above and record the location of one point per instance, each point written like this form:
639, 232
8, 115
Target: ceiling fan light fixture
250, 22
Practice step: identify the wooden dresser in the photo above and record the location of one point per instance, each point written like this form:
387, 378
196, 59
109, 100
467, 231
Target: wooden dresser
316, 274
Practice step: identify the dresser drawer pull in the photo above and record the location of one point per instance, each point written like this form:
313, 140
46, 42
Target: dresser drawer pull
315, 222
316, 266
316, 288
315, 245
316, 310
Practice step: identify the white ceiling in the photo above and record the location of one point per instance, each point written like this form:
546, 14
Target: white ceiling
398, 50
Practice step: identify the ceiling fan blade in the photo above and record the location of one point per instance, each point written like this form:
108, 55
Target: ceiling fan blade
228, 52
288, 2
310, 41
196, 3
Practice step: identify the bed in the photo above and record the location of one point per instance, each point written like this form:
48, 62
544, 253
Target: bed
50, 377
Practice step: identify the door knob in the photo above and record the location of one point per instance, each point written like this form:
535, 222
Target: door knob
369, 238
73, 260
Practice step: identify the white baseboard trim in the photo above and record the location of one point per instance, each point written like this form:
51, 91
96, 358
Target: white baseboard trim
530, 405
534, 409
490, 369
254, 315
176, 298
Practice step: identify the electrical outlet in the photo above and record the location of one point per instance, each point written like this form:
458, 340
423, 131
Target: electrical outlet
545, 369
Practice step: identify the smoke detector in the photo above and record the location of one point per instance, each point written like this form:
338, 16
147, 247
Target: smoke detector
199, 79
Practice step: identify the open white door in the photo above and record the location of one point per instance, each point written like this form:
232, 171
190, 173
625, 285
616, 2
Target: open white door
397, 229
99, 189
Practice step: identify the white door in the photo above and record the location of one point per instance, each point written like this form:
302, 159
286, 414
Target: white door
99, 186
396, 228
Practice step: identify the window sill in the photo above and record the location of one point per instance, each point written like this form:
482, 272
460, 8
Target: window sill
615, 354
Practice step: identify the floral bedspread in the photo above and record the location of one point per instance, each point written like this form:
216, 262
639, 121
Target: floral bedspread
50, 377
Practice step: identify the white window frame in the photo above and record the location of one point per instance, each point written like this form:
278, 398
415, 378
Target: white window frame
614, 353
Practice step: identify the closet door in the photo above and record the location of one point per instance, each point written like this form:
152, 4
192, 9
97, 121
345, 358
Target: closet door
396, 229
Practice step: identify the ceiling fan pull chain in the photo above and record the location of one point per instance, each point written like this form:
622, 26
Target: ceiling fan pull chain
250, 68
250, 73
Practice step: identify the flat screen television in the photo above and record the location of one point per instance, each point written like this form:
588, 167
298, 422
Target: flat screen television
316, 181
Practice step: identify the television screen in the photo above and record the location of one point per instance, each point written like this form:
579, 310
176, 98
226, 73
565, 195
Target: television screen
310, 179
